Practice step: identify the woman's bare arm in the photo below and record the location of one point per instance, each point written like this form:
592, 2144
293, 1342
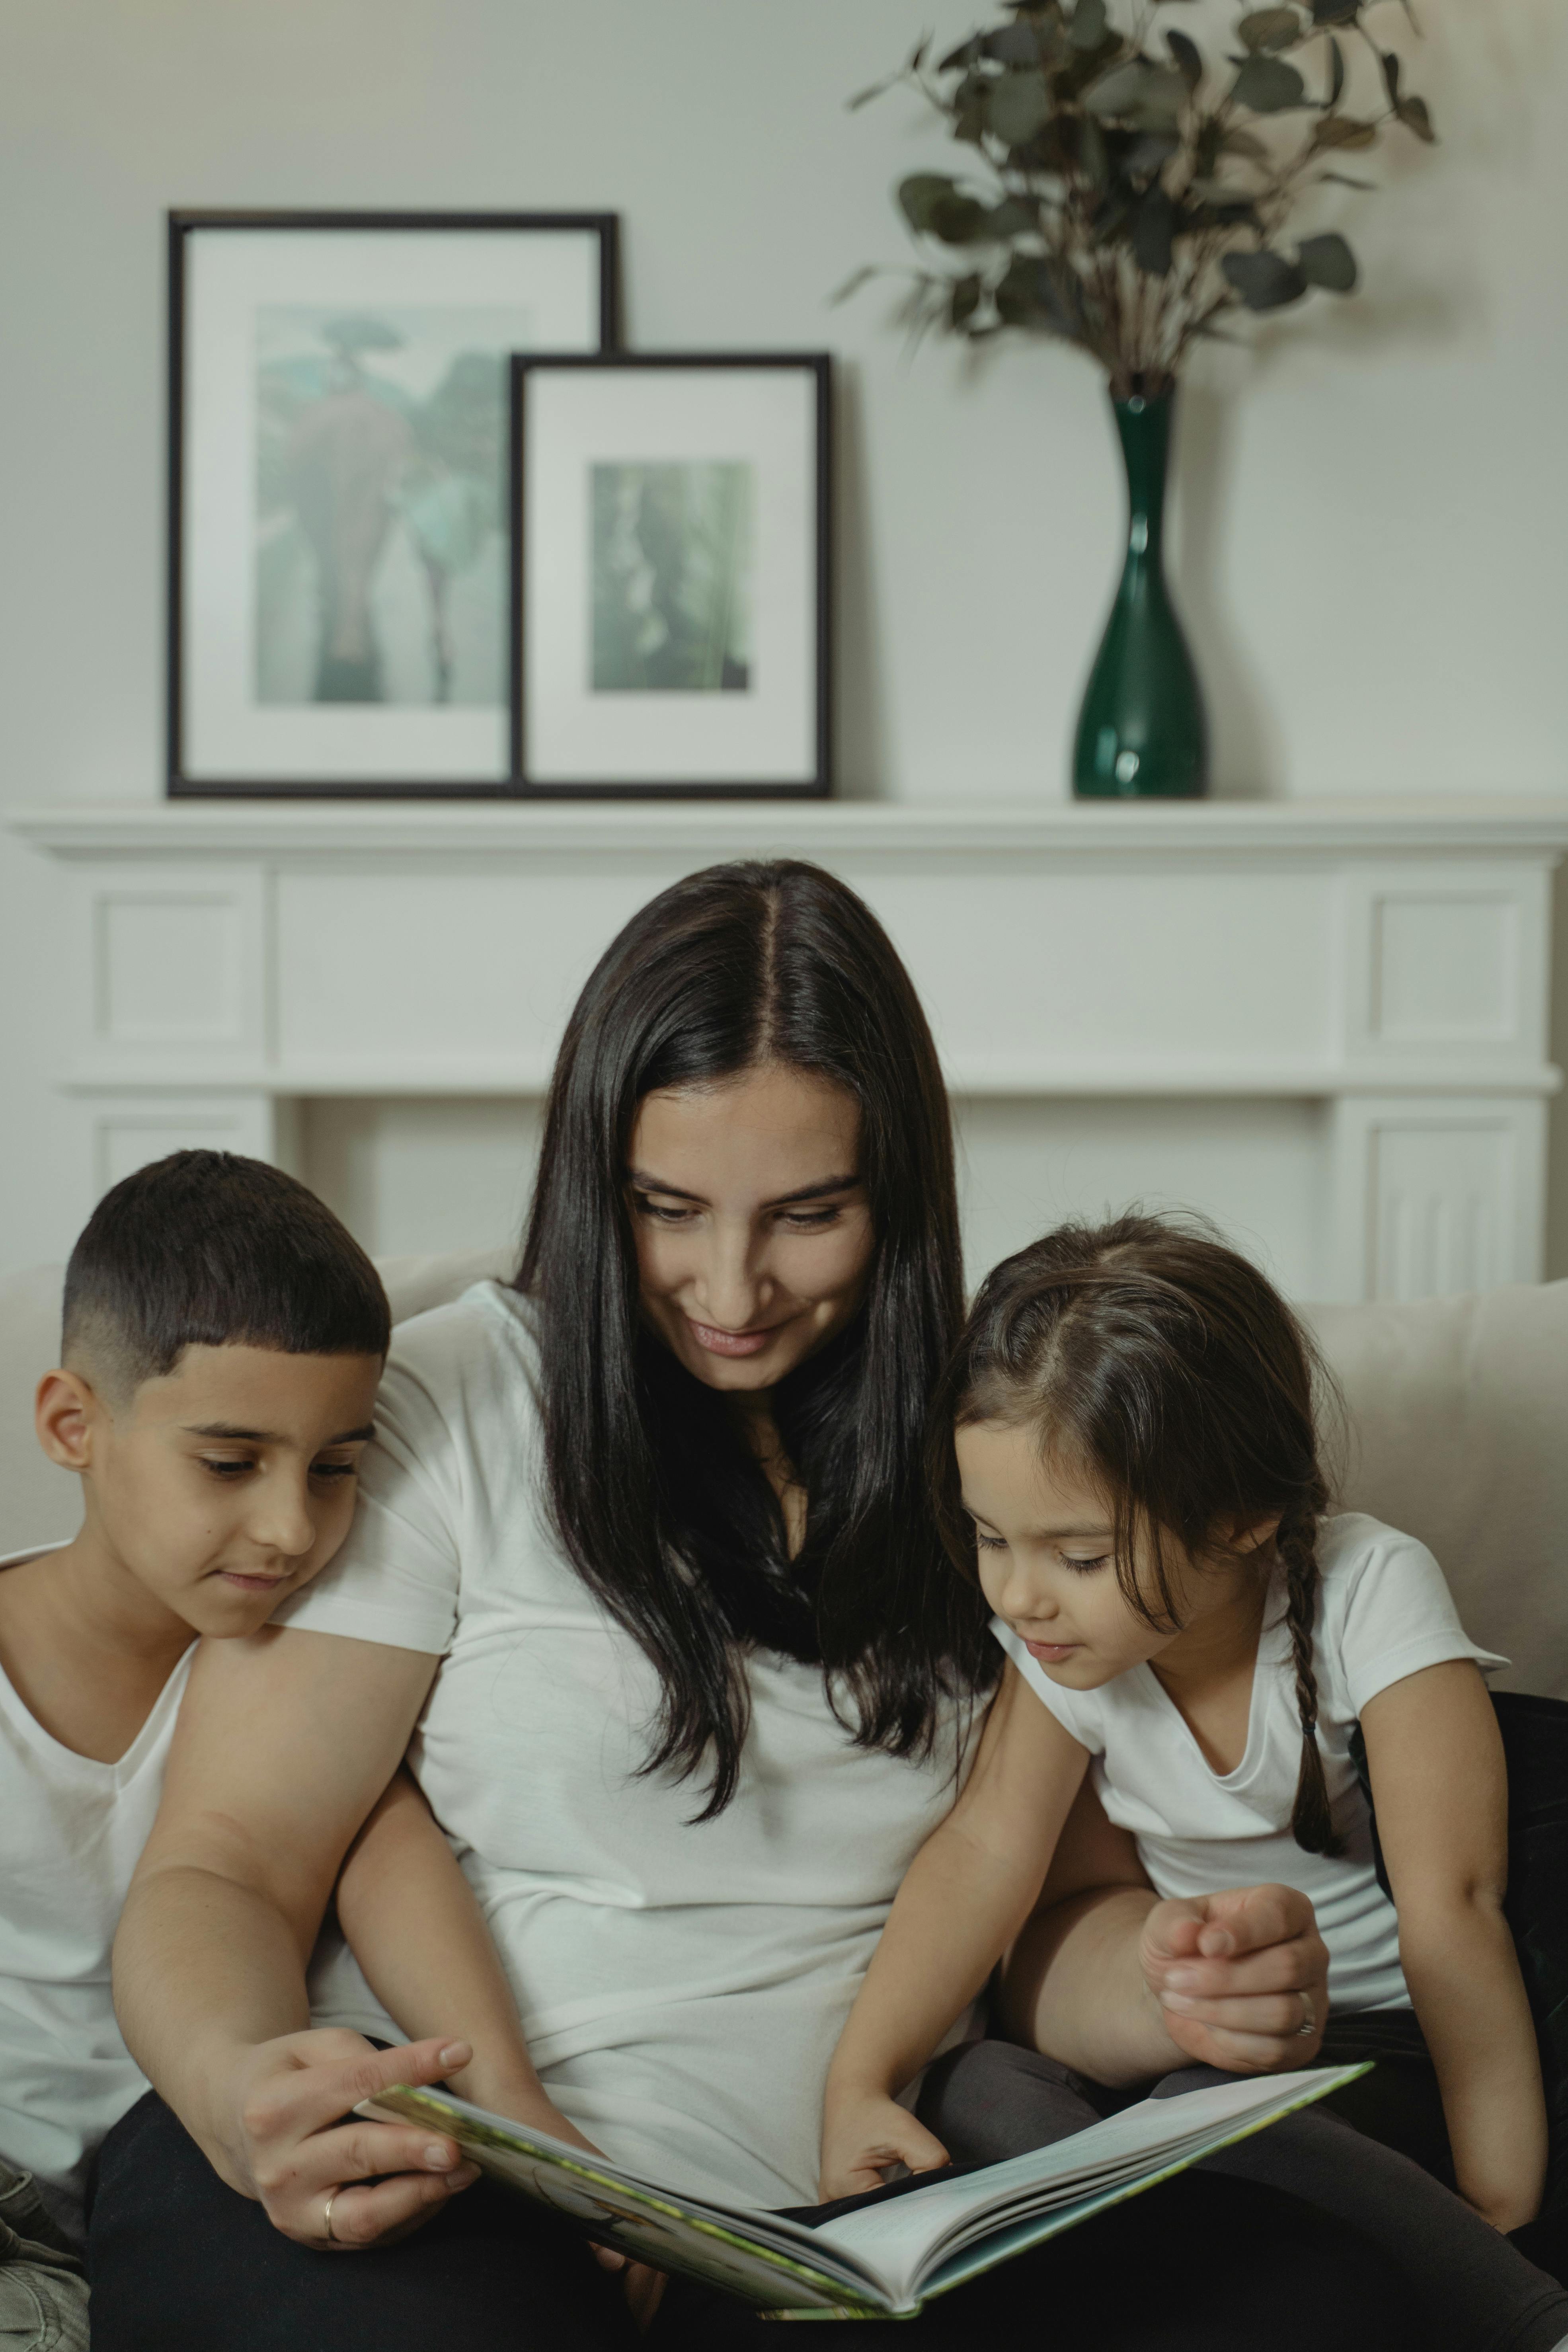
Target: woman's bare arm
417, 1930
284, 1743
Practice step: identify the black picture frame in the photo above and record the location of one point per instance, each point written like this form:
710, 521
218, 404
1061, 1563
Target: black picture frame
182, 224
819, 366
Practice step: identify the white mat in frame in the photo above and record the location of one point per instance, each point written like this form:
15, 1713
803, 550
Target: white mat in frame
540, 280
598, 447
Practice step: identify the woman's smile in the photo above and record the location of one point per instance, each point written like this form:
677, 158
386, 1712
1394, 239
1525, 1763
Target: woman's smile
720, 1342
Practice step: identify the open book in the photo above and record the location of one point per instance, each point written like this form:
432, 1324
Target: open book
883, 2260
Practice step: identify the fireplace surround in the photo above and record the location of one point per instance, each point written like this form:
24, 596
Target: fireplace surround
1386, 961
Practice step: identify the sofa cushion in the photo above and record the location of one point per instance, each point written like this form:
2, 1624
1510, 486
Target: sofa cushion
1459, 1413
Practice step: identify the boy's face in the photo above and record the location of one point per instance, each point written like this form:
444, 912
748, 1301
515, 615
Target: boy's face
226, 1485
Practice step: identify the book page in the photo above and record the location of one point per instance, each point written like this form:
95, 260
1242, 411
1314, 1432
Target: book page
762, 2258
909, 2240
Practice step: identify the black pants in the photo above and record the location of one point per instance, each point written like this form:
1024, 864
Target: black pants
1473, 2291
180, 2263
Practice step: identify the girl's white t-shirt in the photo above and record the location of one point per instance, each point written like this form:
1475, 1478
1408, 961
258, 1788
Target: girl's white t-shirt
681, 1985
1383, 1612
71, 1831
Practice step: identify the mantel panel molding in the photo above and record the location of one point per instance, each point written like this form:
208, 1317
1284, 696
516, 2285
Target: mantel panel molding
1387, 960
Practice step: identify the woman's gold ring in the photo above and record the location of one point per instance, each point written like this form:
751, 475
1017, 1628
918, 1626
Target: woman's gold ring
333, 2237
1309, 2025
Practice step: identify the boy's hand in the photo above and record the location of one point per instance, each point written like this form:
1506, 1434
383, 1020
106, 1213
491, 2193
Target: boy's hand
1241, 1978
863, 2133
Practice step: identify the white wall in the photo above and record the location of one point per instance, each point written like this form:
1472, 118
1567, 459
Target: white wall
1375, 505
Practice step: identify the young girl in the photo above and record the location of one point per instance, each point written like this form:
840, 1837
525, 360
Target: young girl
1134, 1477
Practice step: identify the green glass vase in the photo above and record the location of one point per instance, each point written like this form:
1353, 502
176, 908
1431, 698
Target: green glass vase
1143, 733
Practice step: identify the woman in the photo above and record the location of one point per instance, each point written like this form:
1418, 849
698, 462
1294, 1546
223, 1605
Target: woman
643, 1580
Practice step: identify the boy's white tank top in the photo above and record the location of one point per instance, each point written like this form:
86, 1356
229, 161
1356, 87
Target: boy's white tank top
71, 1831
1383, 1612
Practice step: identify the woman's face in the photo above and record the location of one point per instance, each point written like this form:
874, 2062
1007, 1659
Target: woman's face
754, 1232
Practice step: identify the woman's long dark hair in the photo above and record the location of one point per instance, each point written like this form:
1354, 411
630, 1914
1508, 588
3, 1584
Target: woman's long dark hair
659, 1503
1164, 1367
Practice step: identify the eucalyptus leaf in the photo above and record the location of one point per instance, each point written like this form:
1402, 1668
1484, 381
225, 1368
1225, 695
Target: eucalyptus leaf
1343, 180
1186, 58
1269, 28
1092, 160
1336, 71
1412, 113
1018, 300
1336, 12
1153, 232
963, 300
1391, 77
873, 89
1219, 206
1148, 96
964, 55
1268, 86
1149, 153
1328, 261
853, 283
936, 206
1343, 130
1016, 106
1089, 26
919, 194
1265, 280
1020, 43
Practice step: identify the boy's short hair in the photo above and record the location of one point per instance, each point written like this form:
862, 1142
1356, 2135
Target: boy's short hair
206, 1249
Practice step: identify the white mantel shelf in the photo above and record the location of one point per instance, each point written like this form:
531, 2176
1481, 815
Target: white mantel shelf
984, 830
1387, 960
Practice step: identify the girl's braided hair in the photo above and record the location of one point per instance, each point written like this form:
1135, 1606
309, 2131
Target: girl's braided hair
1161, 1365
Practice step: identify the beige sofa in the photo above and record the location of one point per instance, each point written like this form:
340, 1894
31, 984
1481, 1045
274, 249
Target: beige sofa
1458, 1433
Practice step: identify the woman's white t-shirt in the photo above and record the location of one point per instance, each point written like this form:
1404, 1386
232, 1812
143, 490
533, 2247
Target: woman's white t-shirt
1383, 1612
71, 1832
681, 1986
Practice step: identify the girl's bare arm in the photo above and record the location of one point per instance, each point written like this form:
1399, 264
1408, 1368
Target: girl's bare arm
1440, 1788
967, 1894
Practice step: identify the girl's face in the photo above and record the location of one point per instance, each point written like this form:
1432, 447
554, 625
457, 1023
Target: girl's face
754, 1231
1046, 1556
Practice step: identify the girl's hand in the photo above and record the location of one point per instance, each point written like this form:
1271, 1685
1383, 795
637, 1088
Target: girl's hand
863, 2133
297, 2143
1241, 1978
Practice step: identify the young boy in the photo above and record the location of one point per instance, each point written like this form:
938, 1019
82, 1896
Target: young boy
224, 1337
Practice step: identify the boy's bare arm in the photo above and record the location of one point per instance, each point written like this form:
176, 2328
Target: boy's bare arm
414, 1927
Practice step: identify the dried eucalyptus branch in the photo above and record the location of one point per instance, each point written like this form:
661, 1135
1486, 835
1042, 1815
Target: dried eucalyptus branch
1130, 200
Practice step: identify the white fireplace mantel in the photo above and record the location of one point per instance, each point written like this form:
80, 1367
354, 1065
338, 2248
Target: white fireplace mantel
1387, 960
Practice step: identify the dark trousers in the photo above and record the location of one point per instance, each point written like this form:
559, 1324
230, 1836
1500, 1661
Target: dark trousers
180, 2263
1471, 2289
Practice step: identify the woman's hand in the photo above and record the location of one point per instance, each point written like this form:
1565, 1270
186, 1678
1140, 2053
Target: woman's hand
296, 2145
520, 2095
1240, 1980
863, 2133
